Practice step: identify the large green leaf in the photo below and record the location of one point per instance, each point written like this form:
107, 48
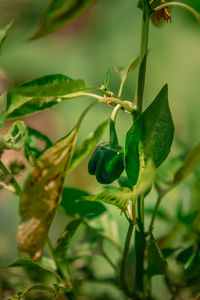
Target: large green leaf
156, 261
60, 13
150, 137
64, 240
87, 145
118, 197
36, 144
3, 103
41, 93
74, 205
16, 136
190, 162
41, 194
4, 32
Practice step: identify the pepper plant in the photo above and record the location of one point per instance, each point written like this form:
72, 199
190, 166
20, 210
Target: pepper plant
132, 169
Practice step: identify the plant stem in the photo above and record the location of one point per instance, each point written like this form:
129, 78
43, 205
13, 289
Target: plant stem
160, 197
13, 181
122, 276
139, 93
127, 105
180, 4
140, 244
70, 295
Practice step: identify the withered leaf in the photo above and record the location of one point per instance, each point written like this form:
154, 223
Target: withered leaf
41, 194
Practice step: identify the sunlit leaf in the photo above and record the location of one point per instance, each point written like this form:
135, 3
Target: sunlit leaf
74, 205
41, 194
3, 103
16, 136
156, 261
41, 93
83, 149
118, 197
60, 13
150, 135
64, 240
4, 32
189, 164
36, 144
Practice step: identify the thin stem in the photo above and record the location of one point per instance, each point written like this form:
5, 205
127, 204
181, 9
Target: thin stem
109, 260
13, 181
139, 93
122, 277
160, 197
140, 244
127, 105
113, 134
180, 4
84, 113
62, 274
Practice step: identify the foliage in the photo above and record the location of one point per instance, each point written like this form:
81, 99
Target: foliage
89, 225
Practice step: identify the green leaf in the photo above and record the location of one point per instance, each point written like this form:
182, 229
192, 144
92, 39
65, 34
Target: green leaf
125, 71
74, 205
36, 144
150, 136
64, 240
188, 218
3, 103
189, 164
41, 194
107, 80
41, 93
118, 197
156, 261
46, 264
60, 13
16, 136
145, 180
3, 33
169, 251
87, 145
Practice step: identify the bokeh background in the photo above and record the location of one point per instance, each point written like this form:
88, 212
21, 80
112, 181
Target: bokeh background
105, 36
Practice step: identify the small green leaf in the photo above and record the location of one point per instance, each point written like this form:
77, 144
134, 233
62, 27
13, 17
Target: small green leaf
41, 93
118, 197
107, 80
3, 103
87, 145
36, 144
46, 264
64, 240
189, 164
74, 205
150, 135
125, 71
60, 13
156, 261
4, 32
188, 218
16, 136
41, 194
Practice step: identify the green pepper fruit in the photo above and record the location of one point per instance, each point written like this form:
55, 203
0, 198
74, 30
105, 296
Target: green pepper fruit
106, 162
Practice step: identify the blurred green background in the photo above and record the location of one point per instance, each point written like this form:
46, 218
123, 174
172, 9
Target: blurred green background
105, 36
